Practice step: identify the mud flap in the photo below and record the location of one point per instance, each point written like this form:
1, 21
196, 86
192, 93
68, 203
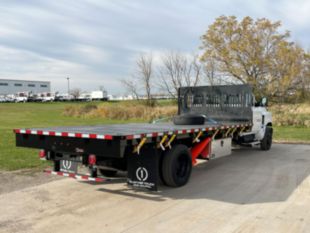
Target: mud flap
143, 168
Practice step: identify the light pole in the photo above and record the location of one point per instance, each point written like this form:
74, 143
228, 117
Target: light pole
68, 85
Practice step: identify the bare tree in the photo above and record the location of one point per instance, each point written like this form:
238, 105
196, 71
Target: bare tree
142, 77
76, 92
144, 73
213, 75
178, 70
132, 87
210, 71
196, 70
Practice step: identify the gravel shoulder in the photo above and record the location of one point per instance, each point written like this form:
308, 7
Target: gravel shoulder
249, 191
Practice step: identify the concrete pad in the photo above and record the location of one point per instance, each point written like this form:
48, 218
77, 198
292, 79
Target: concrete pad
249, 191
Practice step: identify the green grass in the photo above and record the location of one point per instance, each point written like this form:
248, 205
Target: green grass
292, 134
30, 115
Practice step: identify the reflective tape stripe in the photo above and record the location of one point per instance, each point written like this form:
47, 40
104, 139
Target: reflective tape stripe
62, 134
128, 137
76, 176
100, 136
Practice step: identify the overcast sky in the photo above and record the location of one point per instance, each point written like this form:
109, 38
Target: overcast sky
95, 42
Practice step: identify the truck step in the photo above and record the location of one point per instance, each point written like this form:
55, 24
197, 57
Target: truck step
77, 176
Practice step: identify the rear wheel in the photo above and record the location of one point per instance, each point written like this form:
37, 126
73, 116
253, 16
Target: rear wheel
266, 142
176, 166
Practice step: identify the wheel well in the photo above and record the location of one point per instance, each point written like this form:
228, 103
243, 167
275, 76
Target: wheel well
269, 124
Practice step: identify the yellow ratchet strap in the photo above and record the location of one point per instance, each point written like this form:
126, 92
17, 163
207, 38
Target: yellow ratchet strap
162, 142
168, 144
216, 132
139, 146
242, 129
227, 132
198, 136
232, 132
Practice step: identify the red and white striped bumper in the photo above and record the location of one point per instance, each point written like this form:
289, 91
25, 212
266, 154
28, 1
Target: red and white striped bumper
76, 176
63, 134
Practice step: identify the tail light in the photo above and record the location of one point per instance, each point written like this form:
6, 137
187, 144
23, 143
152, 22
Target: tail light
92, 159
42, 154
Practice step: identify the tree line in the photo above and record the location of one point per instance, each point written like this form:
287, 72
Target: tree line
249, 51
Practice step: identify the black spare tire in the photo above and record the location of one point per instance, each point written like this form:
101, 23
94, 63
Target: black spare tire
189, 119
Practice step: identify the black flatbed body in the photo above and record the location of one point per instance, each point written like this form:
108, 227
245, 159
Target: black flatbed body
128, 131
111, 140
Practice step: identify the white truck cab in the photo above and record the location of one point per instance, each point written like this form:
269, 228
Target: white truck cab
261, 132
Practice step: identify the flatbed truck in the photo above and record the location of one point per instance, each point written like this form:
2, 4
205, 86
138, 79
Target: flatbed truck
161, 152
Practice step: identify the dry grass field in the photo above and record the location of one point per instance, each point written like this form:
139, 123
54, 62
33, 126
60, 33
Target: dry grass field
291, 114
122, 111
283, 115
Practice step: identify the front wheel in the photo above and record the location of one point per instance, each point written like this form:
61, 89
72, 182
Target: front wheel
266, 142
176, 166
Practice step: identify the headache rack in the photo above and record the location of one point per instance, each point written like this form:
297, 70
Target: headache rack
220, 103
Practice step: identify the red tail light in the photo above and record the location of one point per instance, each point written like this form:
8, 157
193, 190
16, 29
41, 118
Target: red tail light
42, 154
92, 159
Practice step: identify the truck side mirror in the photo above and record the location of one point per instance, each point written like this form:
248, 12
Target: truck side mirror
264, 102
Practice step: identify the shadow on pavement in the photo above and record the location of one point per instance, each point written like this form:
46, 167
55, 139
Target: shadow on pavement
248, 176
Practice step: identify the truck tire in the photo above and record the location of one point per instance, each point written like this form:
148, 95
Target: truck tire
108, 173
177, 166
189, 119
266, 142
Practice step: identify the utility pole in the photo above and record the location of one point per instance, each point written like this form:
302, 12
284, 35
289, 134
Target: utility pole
68, 85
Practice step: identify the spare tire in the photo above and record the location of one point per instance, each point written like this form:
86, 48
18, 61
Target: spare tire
189, 119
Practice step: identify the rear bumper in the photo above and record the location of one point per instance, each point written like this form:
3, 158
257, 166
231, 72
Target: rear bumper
77, 176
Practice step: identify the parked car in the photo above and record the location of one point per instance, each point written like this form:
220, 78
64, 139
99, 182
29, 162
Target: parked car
47, 97
33, 98
2, 99
85, 97
10, 98
21, 97
63, 97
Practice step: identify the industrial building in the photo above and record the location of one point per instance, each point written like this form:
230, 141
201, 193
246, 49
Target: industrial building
9, 86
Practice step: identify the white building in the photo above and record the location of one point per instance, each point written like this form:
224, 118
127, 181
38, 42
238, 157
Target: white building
9, 86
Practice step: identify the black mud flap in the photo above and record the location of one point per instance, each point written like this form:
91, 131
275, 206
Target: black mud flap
68, 166
143, 168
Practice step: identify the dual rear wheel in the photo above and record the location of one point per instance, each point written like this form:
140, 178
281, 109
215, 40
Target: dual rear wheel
176, 166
